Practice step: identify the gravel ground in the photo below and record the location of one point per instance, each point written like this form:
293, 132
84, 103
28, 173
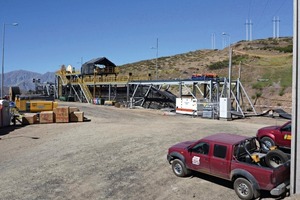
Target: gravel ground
119, 154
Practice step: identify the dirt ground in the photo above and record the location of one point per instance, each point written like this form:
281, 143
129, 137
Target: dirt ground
119, 154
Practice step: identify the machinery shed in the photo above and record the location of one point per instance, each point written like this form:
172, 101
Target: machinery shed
99, 66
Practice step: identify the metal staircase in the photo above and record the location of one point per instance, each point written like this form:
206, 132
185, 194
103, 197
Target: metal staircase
85, 90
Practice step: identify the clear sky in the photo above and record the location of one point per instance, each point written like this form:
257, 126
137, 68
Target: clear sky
55, 32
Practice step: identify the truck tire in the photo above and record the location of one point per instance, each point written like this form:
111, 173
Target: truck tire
267, 143
243, 188
179, 168
275, 158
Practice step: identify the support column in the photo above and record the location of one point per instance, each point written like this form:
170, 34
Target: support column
194, 89
127, 96
180, 89
109, 91
295, 159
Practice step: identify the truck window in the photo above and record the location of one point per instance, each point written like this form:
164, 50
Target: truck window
202, 148
220, 151
286, 128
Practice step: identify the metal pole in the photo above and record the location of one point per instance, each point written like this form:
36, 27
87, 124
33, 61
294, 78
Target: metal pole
295, 143
247, 24
250, 27
94, 89
3, 41
274, 27
2, 73
229, 65
229, 73
156, 57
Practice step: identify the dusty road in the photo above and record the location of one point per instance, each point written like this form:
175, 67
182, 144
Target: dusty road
119, 154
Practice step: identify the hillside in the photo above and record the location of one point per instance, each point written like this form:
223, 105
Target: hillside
266, 68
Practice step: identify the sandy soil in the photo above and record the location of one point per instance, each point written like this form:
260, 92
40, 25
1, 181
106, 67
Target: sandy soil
119, 154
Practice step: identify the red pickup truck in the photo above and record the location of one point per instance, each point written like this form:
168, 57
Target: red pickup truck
235, 158
275, 136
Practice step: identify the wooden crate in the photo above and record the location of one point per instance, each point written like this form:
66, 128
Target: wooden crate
73, 109
61, 114
29, 118
46, 117
77, 116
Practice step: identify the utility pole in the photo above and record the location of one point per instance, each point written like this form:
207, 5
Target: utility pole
213, 41
156, 58
156, 65
250, 26
295, 146
247, 31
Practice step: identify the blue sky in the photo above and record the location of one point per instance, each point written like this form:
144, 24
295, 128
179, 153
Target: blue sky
55, 32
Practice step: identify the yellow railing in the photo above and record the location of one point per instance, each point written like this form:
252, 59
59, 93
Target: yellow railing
85, 89
109, 79
63, 77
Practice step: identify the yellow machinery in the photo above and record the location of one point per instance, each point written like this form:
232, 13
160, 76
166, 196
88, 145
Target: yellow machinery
29, 105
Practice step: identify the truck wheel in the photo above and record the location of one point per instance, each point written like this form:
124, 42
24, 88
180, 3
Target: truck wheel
243, 188
275, 158
179, 168
267, 143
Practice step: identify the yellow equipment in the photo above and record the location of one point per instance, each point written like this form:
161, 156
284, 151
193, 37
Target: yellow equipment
35, 105
38, 106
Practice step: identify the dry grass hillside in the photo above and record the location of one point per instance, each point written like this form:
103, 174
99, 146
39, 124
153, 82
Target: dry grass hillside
266, 68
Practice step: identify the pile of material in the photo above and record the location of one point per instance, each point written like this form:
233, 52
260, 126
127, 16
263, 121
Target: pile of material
61, 114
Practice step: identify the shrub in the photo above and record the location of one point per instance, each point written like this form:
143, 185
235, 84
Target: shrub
281, 91
286, 49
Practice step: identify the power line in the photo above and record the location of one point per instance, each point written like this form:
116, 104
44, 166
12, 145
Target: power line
260, 17
249, 11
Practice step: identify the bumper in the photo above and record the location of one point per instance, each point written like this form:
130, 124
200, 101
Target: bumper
280, 189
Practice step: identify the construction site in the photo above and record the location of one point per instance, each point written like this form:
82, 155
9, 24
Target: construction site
204, 95
99, 82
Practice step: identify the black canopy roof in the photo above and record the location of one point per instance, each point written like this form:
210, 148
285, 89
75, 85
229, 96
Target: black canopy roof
100, 61
88, 67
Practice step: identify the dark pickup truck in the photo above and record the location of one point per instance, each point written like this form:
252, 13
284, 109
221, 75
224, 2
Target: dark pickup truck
235, 158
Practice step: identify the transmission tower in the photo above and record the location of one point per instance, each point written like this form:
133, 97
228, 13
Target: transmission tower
249, 25
276, 22
213, 41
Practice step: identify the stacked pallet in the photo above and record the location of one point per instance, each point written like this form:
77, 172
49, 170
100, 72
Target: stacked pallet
61, 114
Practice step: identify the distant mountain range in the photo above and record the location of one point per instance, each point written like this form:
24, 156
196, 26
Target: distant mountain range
24, 79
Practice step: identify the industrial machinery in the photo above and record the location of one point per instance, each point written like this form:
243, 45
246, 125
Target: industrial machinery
33, 102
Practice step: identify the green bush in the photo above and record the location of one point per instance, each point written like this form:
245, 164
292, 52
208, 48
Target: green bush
281, 91
259, 85
286, 49
236, 59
